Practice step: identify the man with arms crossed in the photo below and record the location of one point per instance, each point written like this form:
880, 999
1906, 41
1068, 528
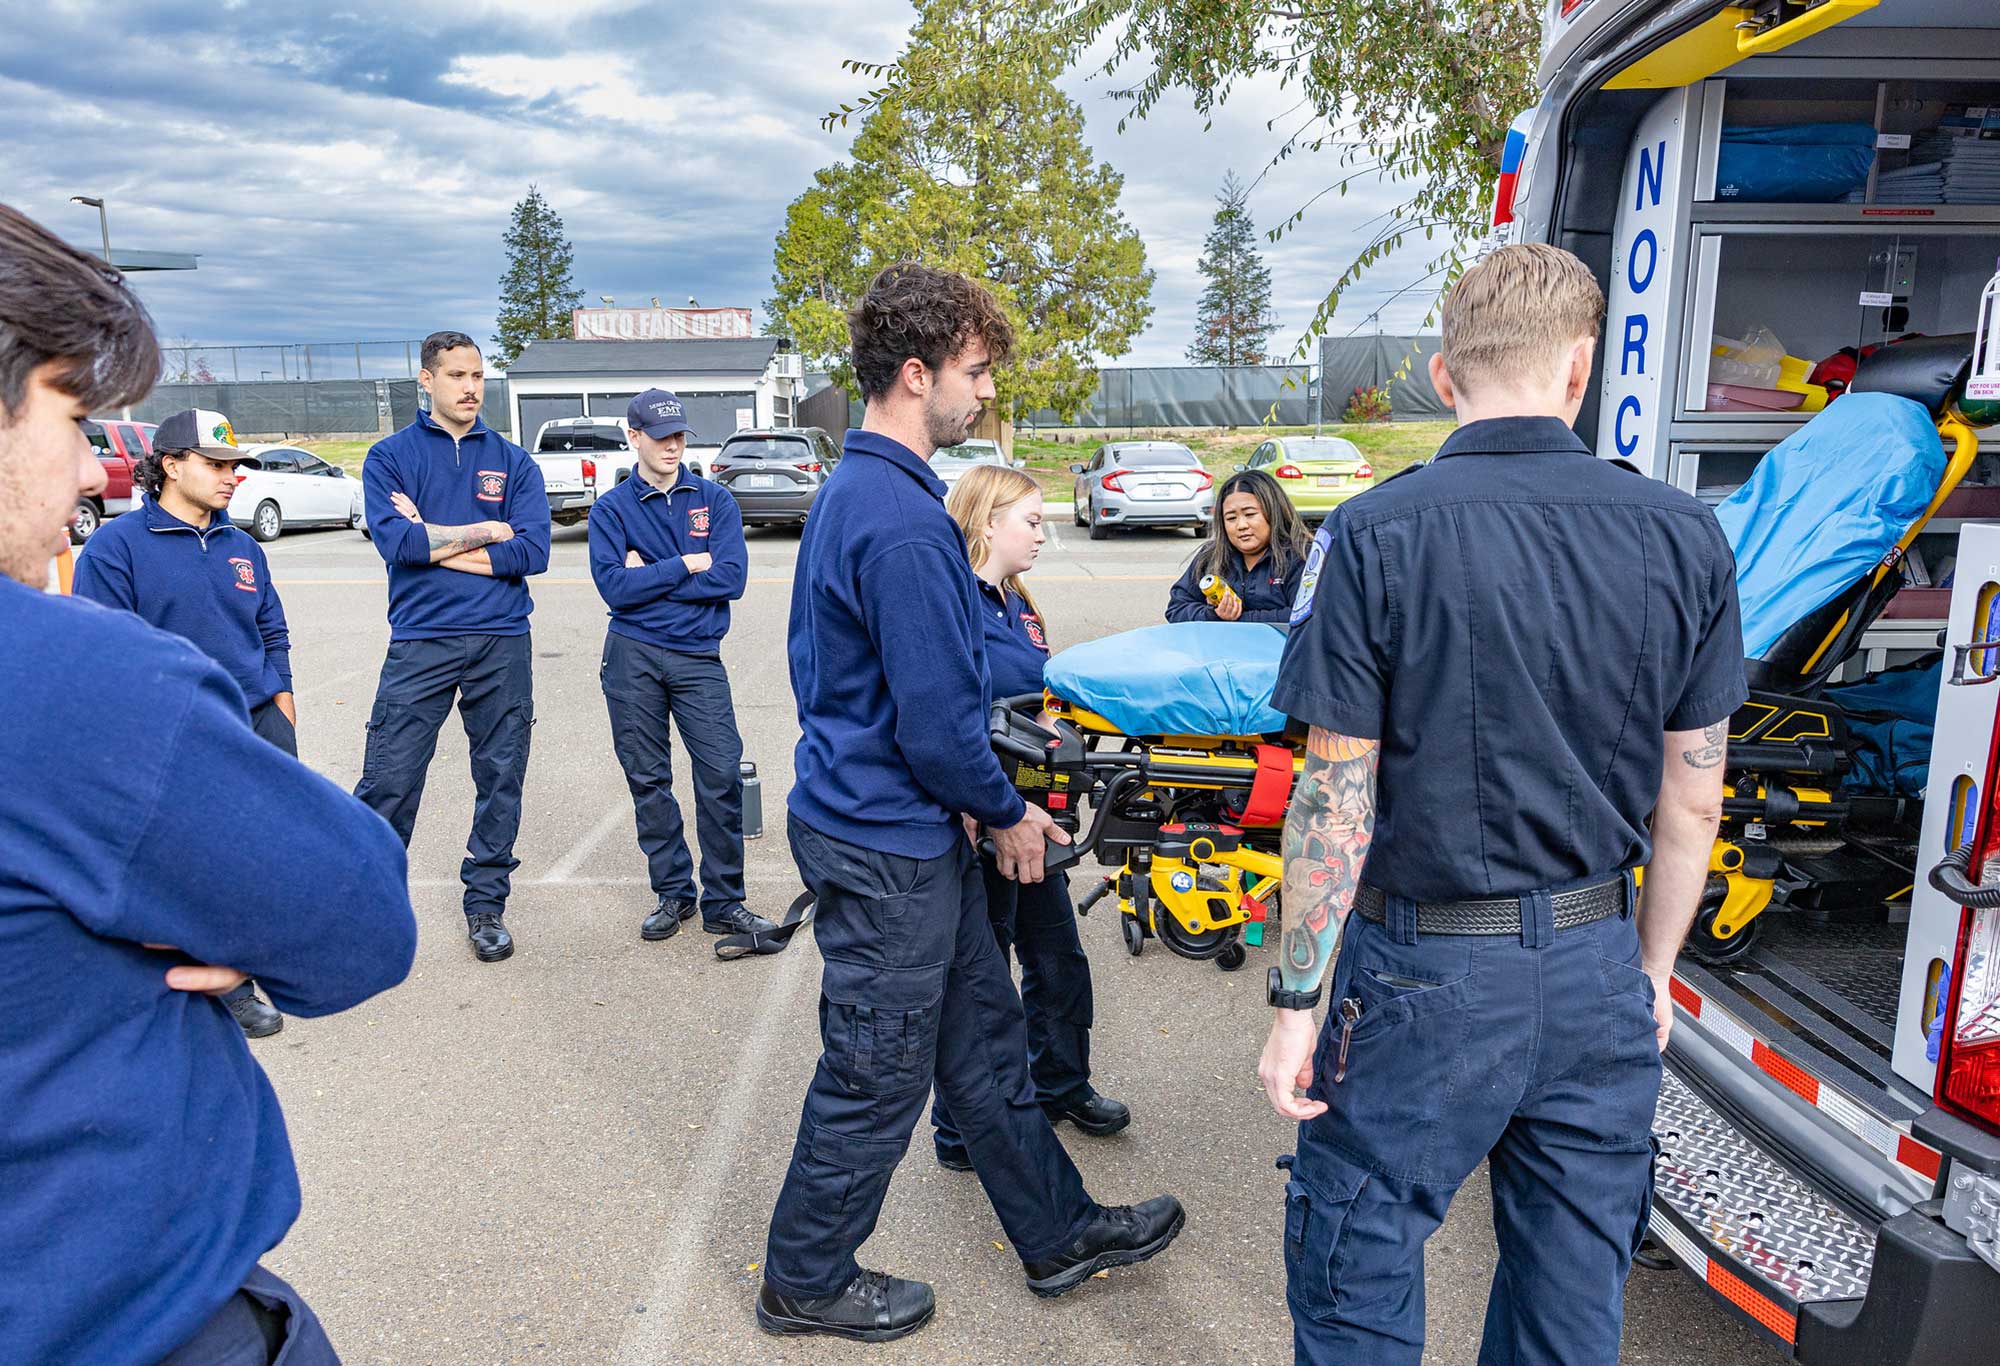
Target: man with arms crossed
145, 1161
1482, 767
888, 666
461, 516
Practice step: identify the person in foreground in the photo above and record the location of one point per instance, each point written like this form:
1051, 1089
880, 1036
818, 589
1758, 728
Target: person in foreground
1468, 845
144, 1156
890, 675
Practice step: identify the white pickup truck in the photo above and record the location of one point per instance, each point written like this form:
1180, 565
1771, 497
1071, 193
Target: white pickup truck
570, 451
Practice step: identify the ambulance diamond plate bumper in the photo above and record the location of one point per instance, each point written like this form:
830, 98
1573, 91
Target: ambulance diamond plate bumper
1756, 1235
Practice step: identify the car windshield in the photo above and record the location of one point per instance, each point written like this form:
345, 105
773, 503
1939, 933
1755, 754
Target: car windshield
1157, 457
968, 454
1322, 448
767, 448
604, 438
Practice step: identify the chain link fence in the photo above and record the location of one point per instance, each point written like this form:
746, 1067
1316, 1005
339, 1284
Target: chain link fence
275, 410
191, 362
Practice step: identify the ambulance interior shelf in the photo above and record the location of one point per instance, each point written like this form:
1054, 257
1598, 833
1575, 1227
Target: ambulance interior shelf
1814, 291
1911, 142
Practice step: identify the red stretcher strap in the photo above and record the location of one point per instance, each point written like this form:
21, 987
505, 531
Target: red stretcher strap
1271, 790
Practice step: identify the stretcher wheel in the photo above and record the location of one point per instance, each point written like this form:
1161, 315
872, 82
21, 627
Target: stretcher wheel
1135, 935
1705, 945
1232, 956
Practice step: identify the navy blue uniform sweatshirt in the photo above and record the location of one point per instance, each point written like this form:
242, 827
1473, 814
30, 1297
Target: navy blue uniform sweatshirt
1016, 646
211, 586
144, 1167
482, 477
888, 663
660, 602
1267, 594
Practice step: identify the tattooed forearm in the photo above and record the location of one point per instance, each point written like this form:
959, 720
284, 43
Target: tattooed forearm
1714, 740
1327, 834
446, 541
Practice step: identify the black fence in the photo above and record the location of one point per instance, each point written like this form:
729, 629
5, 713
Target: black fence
1194, 396
277, 408
1400, 365
829, 408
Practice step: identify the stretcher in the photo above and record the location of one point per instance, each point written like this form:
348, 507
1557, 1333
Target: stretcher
1167, 735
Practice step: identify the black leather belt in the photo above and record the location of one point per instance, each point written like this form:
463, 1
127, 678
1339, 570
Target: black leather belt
1499, 915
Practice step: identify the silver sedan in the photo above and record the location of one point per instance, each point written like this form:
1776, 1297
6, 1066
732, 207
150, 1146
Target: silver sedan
1142, 483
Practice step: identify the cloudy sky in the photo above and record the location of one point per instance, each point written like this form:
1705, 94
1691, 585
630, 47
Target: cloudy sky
346, 173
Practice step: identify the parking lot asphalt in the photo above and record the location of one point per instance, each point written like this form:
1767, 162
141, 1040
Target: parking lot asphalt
571, 1156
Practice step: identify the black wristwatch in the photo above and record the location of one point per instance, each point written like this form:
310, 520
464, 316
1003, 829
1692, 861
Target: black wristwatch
1280, 999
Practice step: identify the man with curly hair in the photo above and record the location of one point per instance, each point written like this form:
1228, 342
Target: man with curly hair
893, 765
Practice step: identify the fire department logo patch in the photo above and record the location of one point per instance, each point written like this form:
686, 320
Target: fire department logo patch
1032, 624
698, 521
492, 486
246, 574
1302, 605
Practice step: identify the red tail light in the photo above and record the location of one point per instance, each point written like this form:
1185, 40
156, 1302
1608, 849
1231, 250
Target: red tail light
1968, 1075
810, 467
589, 471
1364, 471
1110, 481
717, 468
1207, 480
1289, 471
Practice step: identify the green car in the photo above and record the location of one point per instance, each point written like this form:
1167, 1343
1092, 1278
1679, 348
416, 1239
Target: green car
1318, 473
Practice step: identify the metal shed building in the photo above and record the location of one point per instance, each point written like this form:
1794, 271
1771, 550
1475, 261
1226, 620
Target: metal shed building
725, 384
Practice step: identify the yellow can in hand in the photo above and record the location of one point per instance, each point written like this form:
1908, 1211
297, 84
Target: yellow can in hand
1215, 590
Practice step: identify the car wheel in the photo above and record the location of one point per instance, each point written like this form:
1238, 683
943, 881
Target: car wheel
1099, 531
1077, 510
86, 521
357, 521
266, 522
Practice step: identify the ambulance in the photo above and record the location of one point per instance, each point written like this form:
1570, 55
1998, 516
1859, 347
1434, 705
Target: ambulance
1791, 204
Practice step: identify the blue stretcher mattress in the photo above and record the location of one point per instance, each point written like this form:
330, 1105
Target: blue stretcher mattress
1181, 678
1825, 506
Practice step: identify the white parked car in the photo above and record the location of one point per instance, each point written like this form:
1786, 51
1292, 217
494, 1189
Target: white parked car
950, 463
295, 488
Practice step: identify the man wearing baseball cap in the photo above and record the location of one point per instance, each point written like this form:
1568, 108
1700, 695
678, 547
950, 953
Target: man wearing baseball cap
180, 564
667, 552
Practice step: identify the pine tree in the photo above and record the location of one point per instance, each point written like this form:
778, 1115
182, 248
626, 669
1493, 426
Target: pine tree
536, 293
1233, 318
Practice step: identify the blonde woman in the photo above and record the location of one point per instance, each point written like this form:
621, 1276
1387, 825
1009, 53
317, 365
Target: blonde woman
1000, 511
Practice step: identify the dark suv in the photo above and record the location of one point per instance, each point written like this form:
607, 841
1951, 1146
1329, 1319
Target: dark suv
774, 473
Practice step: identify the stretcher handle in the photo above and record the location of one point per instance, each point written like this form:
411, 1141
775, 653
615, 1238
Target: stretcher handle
1007, 729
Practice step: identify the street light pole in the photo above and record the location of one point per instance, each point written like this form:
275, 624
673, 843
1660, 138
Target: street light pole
103, 227
103, 220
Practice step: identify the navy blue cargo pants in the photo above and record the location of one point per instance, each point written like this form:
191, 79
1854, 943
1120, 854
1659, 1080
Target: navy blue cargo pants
271, 725
914, 993
1037, 921
266, 1323
492, 679
1535, 1053
644, 685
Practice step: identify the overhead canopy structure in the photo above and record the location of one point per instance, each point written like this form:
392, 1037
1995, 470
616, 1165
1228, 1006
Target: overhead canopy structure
132, 262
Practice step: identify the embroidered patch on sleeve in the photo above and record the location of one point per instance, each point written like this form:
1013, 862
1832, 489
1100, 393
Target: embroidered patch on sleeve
1302, 605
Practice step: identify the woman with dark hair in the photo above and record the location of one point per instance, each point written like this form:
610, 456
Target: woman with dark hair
1256, 550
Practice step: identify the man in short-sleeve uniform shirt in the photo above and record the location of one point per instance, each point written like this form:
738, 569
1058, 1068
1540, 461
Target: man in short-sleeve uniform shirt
1518, 665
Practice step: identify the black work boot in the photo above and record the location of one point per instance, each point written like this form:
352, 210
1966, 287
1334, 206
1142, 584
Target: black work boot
1096, 1115
735, 920
875, 1307
259, 1020
490, 940
665, 921
1119, 1236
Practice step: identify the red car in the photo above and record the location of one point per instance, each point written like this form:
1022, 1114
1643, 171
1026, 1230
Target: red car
119, 445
